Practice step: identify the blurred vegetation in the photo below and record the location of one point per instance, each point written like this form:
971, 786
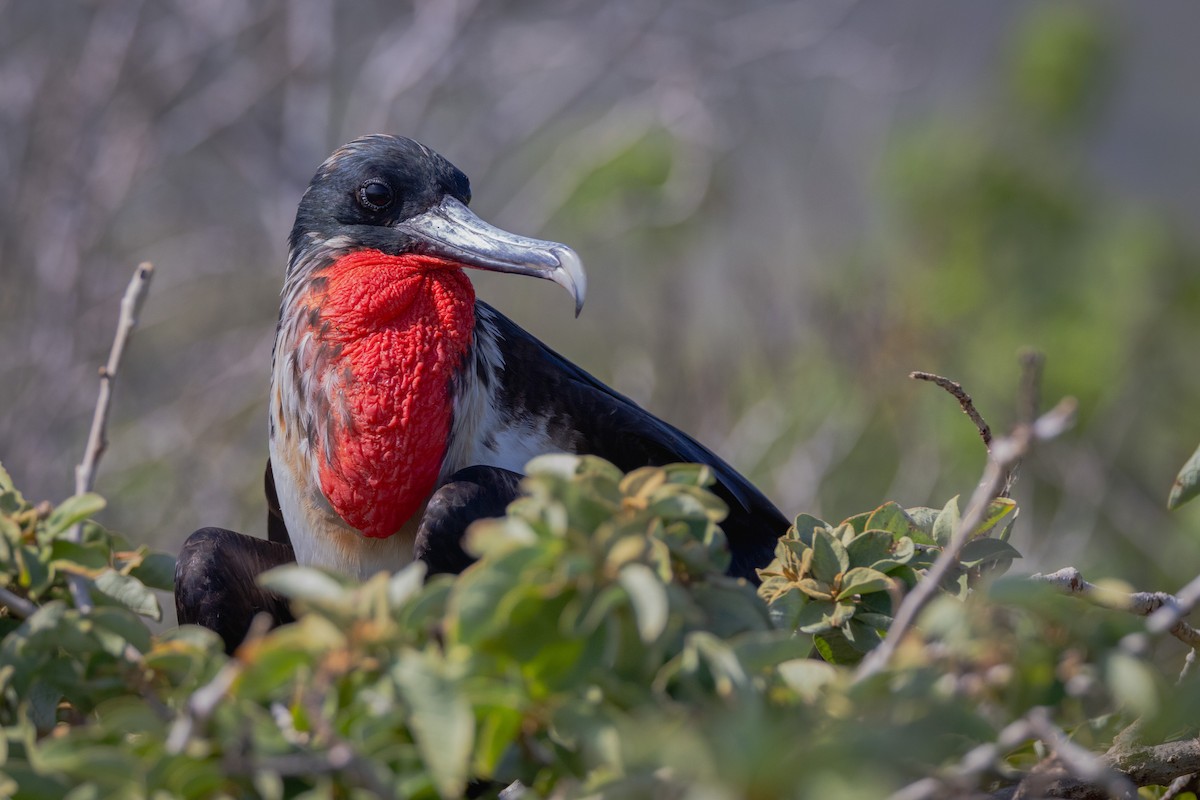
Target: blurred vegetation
596, 649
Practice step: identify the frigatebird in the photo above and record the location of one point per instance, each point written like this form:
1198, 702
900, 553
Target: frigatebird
402, 408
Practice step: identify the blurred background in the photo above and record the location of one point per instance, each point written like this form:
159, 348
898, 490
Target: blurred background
784, 207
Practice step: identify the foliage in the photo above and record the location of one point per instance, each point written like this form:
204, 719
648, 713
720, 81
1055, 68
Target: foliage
595, 649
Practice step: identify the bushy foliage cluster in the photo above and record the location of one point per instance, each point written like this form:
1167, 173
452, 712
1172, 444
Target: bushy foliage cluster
595, 649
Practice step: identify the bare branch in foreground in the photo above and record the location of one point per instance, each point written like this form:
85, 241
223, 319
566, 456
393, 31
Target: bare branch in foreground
979, 761
85, 472
1181, 605
1157, 765
204, 700
1079, 761
16, 605
964, 400
1146, 604
1005, 453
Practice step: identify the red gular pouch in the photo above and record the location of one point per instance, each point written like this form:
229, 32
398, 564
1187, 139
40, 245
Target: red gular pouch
394, 331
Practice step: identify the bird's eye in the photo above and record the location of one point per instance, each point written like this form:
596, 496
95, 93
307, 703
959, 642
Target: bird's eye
375, 195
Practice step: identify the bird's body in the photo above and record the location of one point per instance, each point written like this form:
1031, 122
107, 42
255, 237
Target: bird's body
402, 407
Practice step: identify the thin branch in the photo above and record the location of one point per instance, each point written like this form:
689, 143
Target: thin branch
980, 760
1184, 783
85, 472
1029, 395
1145, 604
1181, 605
16, 605
1079, 761
964, 400
204, 700
1005, 453
1157, 765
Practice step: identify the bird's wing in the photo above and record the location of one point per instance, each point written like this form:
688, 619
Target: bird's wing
276, 528
583, 415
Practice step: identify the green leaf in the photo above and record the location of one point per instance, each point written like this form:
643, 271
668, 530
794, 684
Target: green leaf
1000, 513
947, 521
759, 650
690, 474
858, 522
822, 615
406, 584
863, 580
130, 593
157, 571
861, 636
870, 547
834, 648
924, 518
830, 558
894, 519
68, 556
808, 677
817, 590
122, 628
1187, 483
441, 719
805, 525
641, 482
982, 551
1133, 683
649, 599
72, 510
307, 584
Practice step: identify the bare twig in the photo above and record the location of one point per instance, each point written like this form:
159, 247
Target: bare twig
1180, 606
205, 699
1146, 604
1157, 765
964, 400
16, 605
1189, 663
1005, 453
1079, 761
85, 472
1184, 783
979, 761
1029, 395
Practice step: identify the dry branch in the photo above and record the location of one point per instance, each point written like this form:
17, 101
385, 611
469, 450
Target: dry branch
17, 606
85, 472
1146, 604
964, 401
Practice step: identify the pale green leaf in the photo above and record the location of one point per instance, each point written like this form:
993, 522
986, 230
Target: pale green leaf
73, 509
1187, 483
130, 593
441, 720
649, 599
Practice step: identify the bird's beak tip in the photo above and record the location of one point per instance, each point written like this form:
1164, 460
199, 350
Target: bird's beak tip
570, 275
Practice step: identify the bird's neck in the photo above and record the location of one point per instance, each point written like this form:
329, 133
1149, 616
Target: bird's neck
390, 334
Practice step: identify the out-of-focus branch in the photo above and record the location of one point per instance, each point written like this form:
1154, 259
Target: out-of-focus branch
1146, 604
1179, 606
85, 472
962, 778
1157, 765
17, 606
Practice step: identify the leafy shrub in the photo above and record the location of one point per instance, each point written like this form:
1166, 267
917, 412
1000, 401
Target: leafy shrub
595, 649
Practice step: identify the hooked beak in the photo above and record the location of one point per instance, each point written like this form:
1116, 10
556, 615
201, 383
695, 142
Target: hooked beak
451, 230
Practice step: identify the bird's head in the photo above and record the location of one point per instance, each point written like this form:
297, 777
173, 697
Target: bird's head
396, 196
